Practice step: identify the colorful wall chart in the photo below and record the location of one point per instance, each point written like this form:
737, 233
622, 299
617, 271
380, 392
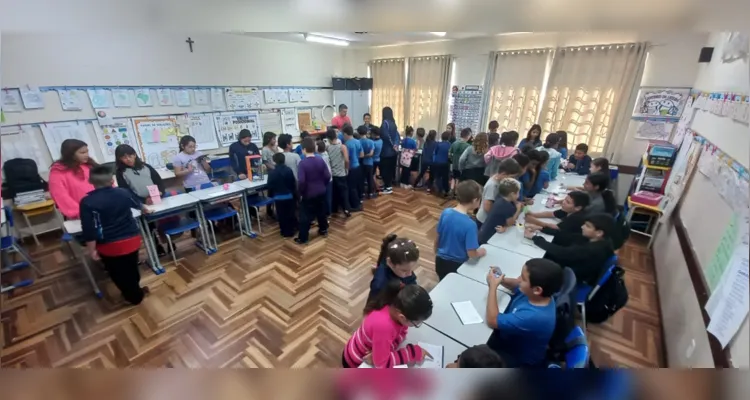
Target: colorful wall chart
158, 138
113, 135
228, 126
243, 98
660, 102
143, 98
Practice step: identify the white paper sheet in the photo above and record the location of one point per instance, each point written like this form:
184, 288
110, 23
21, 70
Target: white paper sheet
732, 307
32, 97
182, 97
467, 313
143, 98
368, 366
201, 97
100, 98
437, 355
70, 100
217, 99
165, 97
11, 100
121, 98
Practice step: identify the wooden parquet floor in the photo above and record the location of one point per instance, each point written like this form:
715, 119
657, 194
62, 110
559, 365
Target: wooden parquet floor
263, 302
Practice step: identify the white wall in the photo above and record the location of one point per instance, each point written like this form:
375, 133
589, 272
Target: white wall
681, 315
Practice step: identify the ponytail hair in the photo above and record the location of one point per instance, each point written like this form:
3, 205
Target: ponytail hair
186, 140
602, 163
398, 250
610, 203
411, 300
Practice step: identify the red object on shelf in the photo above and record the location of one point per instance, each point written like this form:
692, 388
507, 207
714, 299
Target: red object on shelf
646, 198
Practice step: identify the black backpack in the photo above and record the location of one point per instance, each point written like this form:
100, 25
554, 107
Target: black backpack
622, 230
21, 176
612, 296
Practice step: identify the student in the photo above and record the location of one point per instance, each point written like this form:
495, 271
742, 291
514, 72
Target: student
579, 162
355, 179
451, 127
111, 233
562, 144
268, 150
69, 177
322, 153
282, 188
428, 154
298, 149
291, 159
239, 150
541, 176
521, 334
505, 149
504, 212
191, 165
571, 214
550, 147
341, 119
377, 149
421, 133
471, 163
389, 154
600, 164
479, 356
493, 127
523, 161
528, 178
602, 199
456, 151
533, 137
408, 143
441, 166
312, 180
508, 168
384, 328
366, 118
456, 239
397, 260
589, 259
368, 174
339, 159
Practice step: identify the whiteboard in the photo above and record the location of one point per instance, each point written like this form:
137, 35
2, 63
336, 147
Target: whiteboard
158, 138
56, 133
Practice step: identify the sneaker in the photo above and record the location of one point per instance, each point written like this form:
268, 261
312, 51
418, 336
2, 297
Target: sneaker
347, 214
388, 191
296, 240
323, 233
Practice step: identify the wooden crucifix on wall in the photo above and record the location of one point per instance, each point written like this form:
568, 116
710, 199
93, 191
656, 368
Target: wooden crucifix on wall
190, 42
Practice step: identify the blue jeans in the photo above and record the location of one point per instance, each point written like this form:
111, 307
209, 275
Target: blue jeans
329, 197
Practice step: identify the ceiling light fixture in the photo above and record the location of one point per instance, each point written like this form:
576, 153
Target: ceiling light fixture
326, 40
441, 34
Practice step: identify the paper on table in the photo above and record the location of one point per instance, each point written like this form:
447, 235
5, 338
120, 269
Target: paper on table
467, 313
437, 355
368, 366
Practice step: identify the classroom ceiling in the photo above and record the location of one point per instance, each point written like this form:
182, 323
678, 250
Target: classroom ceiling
369, 39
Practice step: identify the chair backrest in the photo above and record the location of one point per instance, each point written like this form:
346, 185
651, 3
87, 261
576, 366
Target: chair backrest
220, 163
577, 355
207, 185
611, 264
568, 285
170, 166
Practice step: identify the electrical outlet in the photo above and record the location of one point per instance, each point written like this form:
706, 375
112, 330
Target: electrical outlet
690, 349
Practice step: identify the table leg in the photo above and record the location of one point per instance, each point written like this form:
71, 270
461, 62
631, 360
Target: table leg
90, 275
206, 241
148, 242
31, 228
246, 216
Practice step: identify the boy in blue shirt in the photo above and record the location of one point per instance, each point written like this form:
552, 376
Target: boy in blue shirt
456, 240
440, 164
368, 149
504, 211
377, 148
298, 149
354, 179
521, 334
580, 162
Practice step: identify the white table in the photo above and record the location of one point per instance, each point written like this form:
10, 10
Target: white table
219, 194
513, 240
253, 184
426, 334
252, 187
167, 206
73, 226
456, 288
165, 174
569, 179
509, 262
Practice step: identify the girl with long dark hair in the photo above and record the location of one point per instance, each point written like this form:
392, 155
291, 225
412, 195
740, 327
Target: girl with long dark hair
69, 177
388, 156
533, 137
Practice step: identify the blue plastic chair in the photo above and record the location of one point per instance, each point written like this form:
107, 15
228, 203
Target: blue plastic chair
220, 213
219, 168
578, 352
257, 202
8, 246
584, 292
178, 227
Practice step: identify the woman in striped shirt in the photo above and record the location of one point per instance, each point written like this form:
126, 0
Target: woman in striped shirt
387, 320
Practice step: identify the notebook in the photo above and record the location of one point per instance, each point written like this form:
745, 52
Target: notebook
467, 313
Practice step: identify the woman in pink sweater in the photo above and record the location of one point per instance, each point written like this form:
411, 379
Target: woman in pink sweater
387, 320
69, 177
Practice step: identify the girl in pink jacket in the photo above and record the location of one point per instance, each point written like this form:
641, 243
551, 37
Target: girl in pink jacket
69, 177
506, 149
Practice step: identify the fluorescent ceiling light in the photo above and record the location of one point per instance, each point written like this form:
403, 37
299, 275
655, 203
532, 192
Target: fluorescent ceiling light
441, 34
326, 40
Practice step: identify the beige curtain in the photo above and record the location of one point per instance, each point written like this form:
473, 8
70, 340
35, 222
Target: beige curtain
427, 87
388, 88
517, 82
588, 92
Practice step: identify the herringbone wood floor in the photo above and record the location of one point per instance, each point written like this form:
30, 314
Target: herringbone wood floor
263, 302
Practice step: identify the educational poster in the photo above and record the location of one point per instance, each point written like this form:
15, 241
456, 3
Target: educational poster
31, 97
728, 177
217, 99
682, 170
70, 100
660, 102
289, 121
100, 98
121, 98
299, 96
164, 96
269, 96
11, 100
111, 136
686, 120
654, 130
158, 138
304, 120
182, 97
25, 143
228, 126
143, 98
55, 133
201, 127
201, 97
242, 98
282, 95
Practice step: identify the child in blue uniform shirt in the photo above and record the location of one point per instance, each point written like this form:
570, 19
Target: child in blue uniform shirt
408, 143
354, 179
282, 187
368, 150
441, 165
521, 334
377, 148
542, 176
397, 260
302, 137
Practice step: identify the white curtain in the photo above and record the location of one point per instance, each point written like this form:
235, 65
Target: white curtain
588, 92
427, 87
518, 77
388, 88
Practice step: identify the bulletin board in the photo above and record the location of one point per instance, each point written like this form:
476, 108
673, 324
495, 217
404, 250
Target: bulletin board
111, 136
228, 126
158, 138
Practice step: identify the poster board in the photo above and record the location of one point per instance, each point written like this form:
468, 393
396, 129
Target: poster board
111, 136
654, 130
228, 126
158, 138
202, 128
682, 170
243, 98
56, 133
655, 102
